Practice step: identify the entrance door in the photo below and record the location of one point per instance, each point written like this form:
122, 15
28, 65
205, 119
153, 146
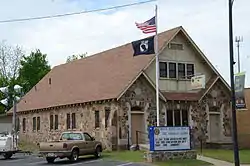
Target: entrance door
137, 124
214, 127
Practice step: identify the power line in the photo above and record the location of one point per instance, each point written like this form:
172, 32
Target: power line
74, 13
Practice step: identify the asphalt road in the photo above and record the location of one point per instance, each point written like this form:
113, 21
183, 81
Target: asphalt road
31, 160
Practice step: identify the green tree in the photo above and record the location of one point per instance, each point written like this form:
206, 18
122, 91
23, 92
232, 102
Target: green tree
10, 57
75, 57
33, 68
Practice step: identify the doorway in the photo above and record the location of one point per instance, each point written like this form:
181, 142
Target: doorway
137, 124
214, 122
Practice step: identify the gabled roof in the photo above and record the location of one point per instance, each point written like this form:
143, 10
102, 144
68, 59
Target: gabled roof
102, 76
204, 57
98, 77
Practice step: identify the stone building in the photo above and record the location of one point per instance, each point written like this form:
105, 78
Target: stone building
112, 95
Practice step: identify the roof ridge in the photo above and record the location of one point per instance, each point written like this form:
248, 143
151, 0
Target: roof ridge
120, 46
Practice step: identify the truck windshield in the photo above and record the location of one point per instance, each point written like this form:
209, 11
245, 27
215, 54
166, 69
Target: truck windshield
71, 136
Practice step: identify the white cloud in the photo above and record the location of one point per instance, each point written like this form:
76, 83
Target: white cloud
206, 22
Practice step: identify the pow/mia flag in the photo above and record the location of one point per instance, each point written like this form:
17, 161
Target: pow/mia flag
144, 46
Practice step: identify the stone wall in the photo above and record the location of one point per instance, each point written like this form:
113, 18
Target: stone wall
140, 94
216, 100
169, 155
85, 121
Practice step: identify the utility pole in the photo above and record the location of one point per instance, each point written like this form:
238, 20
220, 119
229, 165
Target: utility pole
231, 51
238, 39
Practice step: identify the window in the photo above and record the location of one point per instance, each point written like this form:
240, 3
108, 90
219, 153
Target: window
51, 121
184, 118
71, 136
56, 122
163, 69
177, 117
73, 121
87, 137
97, 119
107, 112
172, 70
24, 124
176, 46
181, 70
190, 70
34, 123
170, 118
38, 123
68, 121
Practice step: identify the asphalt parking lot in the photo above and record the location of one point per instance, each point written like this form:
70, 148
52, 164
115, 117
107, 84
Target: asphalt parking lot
32, 160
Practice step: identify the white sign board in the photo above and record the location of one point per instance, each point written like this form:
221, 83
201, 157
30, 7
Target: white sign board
169, 138
198, 82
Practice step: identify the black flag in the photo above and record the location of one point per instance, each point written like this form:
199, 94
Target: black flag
144, 46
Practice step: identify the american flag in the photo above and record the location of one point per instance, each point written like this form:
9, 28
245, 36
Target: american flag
148, 26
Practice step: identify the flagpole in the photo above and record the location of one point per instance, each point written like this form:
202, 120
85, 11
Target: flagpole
157, 68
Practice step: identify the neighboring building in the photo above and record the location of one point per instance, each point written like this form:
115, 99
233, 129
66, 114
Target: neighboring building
5, 123
243, 122
112, 93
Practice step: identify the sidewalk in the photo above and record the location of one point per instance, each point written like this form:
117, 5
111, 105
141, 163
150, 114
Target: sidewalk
217, 162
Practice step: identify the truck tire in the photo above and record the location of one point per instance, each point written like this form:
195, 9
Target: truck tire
74, 155
50, 159
7, 155
98, 152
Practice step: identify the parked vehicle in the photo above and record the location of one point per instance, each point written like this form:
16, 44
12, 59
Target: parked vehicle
8, 145
70, 145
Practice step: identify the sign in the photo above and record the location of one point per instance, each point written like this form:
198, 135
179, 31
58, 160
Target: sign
198, 82
169, 138
239, 90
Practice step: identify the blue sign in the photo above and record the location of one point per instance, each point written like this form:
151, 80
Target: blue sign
165, 138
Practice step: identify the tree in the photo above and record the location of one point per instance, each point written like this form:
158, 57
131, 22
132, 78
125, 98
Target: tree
75, 57
33, 68
10, 57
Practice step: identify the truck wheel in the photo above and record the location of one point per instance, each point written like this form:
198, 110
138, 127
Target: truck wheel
50, 159
74, 155
98, 152
7, 155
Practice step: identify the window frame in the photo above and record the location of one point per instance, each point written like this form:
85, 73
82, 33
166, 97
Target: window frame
187, 73
97, 119
24, 125
68, 126
170, 71
164, 69
73, 121
173, 117
56, 122
38, 123
34, 124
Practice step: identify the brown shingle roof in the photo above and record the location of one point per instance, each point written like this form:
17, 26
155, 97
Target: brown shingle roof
98, 77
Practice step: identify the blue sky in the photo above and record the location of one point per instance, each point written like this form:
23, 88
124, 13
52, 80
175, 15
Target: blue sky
206, 22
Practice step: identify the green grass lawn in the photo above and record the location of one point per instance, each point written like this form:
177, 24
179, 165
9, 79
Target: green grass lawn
137, 156
227, 155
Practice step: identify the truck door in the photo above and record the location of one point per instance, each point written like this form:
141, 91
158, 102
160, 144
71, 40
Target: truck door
90, 143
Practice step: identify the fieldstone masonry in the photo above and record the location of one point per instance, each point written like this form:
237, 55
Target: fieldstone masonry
169, 155
85, 121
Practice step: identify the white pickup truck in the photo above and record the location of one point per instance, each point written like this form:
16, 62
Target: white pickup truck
8, 145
